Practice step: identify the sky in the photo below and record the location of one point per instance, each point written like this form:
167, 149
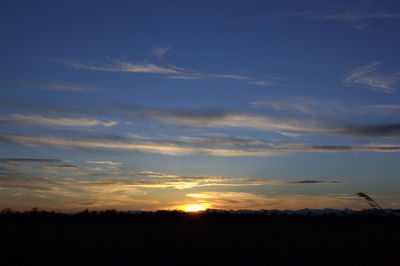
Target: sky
147, 105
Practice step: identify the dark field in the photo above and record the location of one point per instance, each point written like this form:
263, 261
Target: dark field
176, 238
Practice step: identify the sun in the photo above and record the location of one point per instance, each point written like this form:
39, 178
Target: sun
194, 208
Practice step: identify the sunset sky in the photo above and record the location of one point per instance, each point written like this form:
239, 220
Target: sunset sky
146, 105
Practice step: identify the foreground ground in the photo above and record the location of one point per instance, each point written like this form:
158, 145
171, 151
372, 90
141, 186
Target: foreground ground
174, 238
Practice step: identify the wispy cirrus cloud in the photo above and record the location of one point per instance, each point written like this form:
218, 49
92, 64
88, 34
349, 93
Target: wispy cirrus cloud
368, 76
248, 201
49, 86
64, 166
146, 68
209, 118
159, 52
56, 167
11, 178
268, 81
56, 179
304, 182
317, 118
54, 176
278, 124
122, 66
166, 148
322, 109
156, 174
353, 14
105, 162
188, 147
357, 18
232, 181
387, 107
28, 160
304, 105
53, 121
262, 82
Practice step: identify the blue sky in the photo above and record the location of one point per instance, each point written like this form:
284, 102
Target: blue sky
227, 104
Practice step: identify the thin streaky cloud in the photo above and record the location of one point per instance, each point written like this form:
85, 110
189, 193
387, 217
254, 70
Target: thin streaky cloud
155, 174
273, 77
287, 125
387, 130
313, 182
152, 174
184, 77
276, 105
383, 106
11, 178
233, 180
105, 162
204, 75
121, 66
55, 121
49, 86
174, 149
357, 18
146, 147
233, 119
29, 160
319, 108
262, 83
245, 200
59, 166
368, 76
62, 86
227, 76
20, 182
277, 124
305, 105
169, 71
288, 182
268, 81
122, 167
353, 15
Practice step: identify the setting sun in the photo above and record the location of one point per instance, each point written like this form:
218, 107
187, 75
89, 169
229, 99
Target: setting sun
194, 208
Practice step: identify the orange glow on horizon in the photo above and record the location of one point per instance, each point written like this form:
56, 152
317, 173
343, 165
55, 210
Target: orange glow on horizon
194, 207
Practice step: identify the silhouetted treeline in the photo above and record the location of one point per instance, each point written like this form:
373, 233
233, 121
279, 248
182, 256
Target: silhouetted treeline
112, 215
211, 237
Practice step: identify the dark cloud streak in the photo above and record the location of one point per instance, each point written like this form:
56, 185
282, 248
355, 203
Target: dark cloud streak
28, 160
